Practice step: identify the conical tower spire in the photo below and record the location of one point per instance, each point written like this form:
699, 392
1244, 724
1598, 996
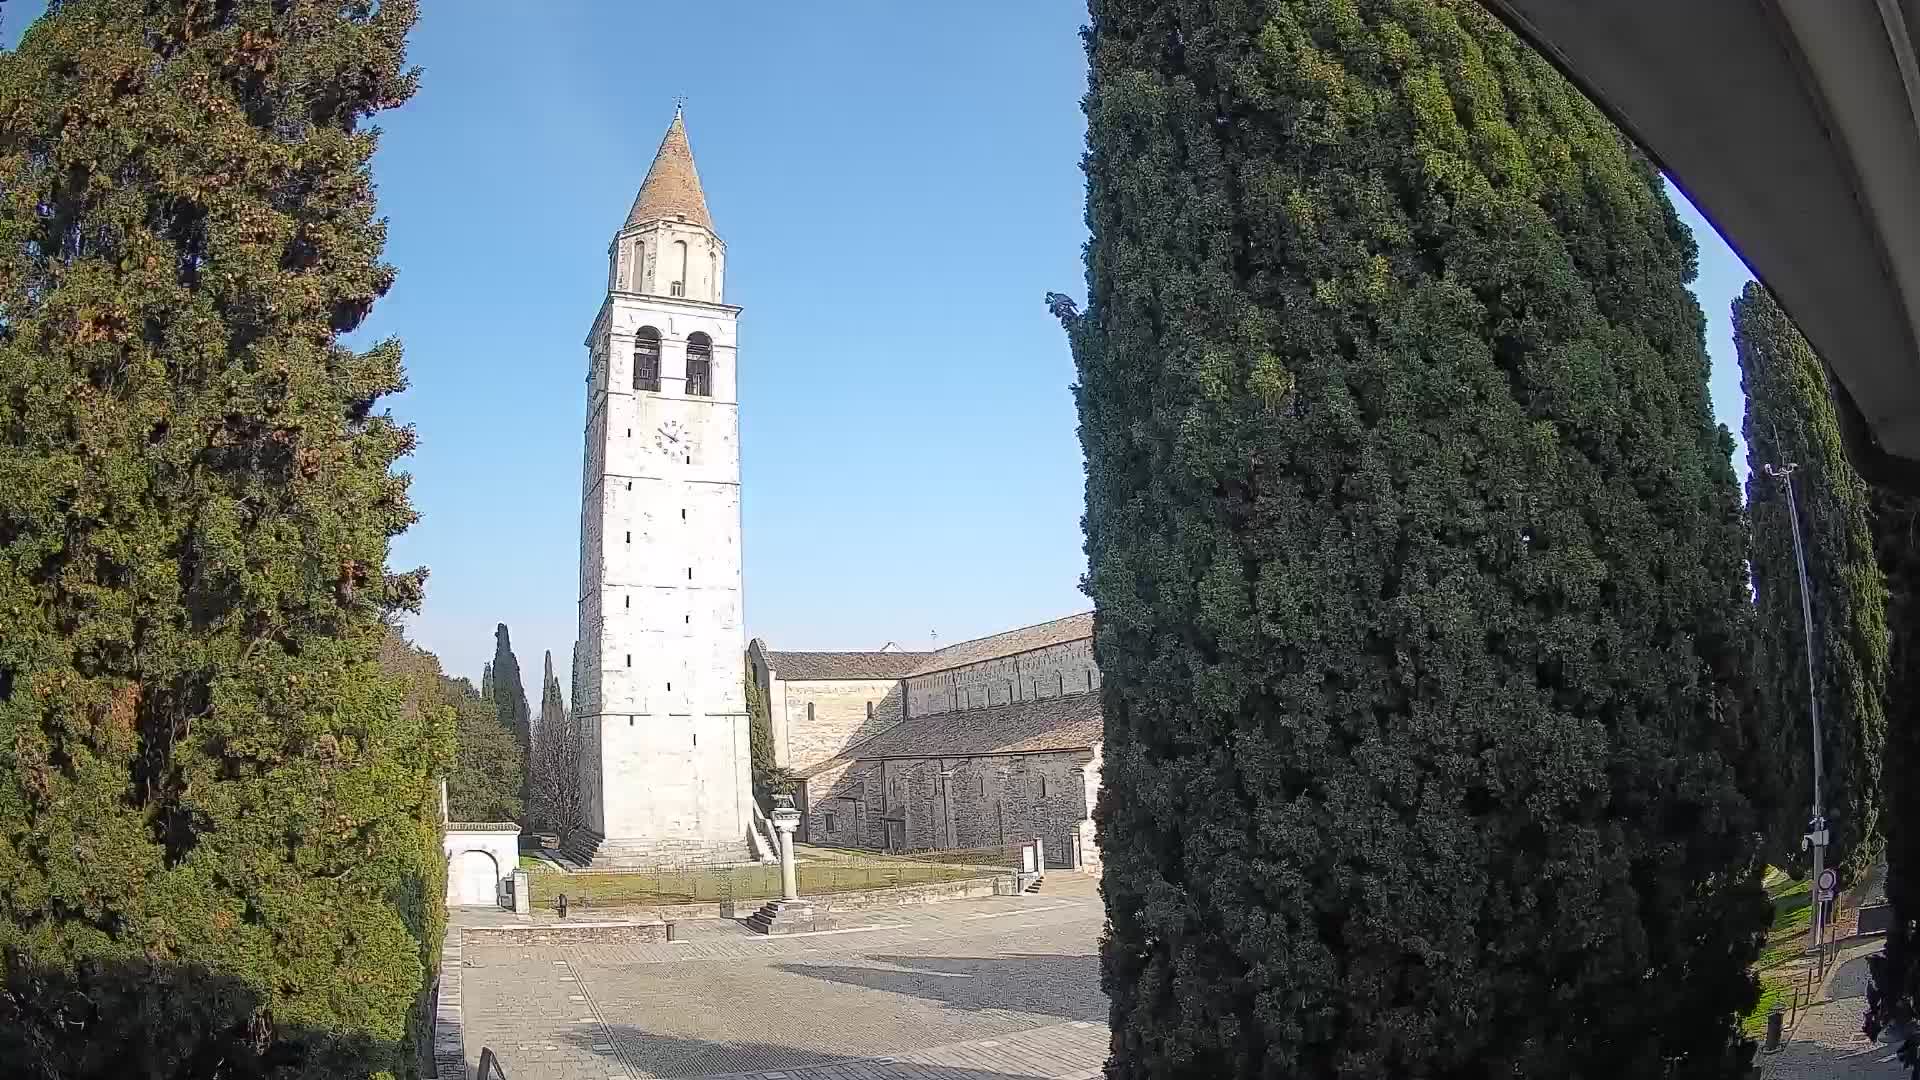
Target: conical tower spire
672, 188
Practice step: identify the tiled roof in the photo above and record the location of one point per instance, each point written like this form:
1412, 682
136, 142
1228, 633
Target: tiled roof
803, 666
672, 188
1025, 727
1025, 639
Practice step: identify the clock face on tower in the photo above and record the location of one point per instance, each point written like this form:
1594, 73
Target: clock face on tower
671, 438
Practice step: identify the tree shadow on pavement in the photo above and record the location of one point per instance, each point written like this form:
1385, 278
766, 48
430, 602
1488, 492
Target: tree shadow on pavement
1047, 984
670, 1056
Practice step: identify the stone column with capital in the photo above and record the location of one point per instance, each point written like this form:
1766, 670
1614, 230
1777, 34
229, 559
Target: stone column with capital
785, 821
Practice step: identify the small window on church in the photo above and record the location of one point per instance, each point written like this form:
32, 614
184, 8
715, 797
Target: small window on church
646, 360
1043, 787
869, 710
1089, 678
829, 821
809, 712
699, 365
1062, 676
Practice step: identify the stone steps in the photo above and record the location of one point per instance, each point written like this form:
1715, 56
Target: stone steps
789, 917
586, 850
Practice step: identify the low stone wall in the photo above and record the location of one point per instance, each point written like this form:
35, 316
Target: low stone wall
880, 899
905, 895
449, 1029
665, 913
570, 933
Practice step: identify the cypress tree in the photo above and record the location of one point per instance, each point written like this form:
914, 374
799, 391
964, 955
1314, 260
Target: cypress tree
1417, 560
1894, 994
509, 695
552, 724
486, 682
760, 740
220, 853
553, 706
1790, 418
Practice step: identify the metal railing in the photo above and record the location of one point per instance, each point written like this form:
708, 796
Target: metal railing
819, 871
490, 1067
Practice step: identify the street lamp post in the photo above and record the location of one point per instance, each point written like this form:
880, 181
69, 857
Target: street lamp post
1816, 838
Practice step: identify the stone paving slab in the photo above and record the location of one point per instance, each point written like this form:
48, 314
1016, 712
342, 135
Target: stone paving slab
1072, 1051
1827, 1043
997, 988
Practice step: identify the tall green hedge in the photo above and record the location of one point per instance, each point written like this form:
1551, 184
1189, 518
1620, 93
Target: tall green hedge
218, 852
1790, 418
1894, 994
1417, 558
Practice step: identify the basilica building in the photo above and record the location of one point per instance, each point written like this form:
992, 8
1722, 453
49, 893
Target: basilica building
988, 742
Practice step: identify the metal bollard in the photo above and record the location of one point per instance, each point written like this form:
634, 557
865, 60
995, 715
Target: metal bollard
1776, 1020
563, 905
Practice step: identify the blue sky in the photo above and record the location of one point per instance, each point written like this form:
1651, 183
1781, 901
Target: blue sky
898, 185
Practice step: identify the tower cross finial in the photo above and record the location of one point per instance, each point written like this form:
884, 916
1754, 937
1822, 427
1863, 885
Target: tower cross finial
679, 104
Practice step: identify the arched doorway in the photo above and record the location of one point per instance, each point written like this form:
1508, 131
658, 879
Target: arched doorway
475, 878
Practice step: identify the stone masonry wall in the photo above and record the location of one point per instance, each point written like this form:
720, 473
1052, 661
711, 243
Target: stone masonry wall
823, 717
966, 802
1040, 673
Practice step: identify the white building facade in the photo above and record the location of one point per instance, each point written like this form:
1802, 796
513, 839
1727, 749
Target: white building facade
667, 777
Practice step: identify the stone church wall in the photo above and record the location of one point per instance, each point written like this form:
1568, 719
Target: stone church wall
820, 718
962, 802
1039, 673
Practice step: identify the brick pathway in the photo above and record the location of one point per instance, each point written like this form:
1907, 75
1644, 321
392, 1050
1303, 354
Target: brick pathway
970, 990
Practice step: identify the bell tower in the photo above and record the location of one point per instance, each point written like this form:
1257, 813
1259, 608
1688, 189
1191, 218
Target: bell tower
660, 695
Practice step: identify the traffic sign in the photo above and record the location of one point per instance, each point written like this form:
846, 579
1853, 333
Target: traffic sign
1828, 879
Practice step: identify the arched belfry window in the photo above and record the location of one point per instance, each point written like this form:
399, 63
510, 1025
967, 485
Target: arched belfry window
646, 359
699, 365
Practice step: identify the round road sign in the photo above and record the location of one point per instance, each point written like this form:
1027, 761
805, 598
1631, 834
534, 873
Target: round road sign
1828, 879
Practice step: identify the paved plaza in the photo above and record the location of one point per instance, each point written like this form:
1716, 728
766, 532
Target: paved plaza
968, 990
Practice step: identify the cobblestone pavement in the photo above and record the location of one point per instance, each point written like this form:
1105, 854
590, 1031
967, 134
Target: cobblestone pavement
1827, 1044
968, 990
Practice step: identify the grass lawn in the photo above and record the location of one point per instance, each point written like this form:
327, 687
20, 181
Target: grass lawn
732, 883
1786, 942
533, 862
